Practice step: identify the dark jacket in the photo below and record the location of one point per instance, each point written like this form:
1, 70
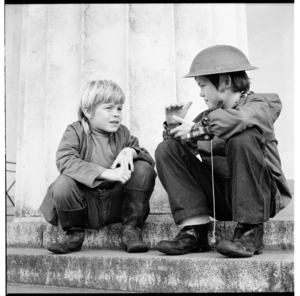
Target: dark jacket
73, 156
255, 110
75, 150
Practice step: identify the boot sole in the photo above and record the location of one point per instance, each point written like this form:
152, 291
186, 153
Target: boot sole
237, 254
57, 251
200, 249
137, 248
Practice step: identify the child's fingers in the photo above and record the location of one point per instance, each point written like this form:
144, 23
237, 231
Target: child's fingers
178, 119
187, 107
123, 163
113, 166
126, 175
175, 130
131, 165
176, 105
123, 181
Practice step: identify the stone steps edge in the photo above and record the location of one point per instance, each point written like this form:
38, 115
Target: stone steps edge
279, 235
153, 271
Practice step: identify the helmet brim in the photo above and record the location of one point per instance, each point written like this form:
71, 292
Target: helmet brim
218, 71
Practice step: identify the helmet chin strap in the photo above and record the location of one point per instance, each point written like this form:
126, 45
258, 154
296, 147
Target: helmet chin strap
219, 104
221, 89
213, 241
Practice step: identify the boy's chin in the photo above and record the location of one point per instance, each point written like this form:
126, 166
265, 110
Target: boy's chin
113, 129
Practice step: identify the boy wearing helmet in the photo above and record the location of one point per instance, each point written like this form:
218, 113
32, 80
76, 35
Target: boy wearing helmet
248, 185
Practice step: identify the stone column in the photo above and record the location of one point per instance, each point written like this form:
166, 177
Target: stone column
151, 75
30, 145
145, 48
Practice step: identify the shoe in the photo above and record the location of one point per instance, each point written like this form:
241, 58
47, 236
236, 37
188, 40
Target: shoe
189, 239
132, 240
135, 210
246, 242
72, 242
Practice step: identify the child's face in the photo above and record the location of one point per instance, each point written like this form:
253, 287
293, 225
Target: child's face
107, 117
208, 92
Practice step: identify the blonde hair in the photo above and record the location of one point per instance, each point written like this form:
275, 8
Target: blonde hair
94, 92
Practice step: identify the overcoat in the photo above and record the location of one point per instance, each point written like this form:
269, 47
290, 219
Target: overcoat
256, 110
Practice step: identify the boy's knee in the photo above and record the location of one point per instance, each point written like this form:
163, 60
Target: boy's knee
164, 148
143, 168
62, 188
144, 175
244, 140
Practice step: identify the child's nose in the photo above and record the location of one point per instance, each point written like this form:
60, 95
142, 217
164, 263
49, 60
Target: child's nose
116, 113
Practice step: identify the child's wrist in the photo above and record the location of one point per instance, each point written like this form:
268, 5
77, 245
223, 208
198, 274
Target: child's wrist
131, 150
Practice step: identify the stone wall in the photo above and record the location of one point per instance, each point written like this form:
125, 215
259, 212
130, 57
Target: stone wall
145, 48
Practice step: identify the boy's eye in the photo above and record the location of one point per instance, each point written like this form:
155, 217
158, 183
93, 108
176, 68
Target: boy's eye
120, 108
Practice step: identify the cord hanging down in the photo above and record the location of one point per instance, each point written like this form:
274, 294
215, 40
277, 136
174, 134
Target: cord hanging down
213, 191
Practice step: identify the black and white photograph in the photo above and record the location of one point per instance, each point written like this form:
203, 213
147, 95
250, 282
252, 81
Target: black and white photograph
149, 148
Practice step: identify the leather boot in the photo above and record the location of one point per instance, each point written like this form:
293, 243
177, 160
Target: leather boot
246, 241
72, 242
190, 239
134, 212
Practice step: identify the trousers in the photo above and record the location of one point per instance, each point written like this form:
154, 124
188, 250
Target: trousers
247, 196
77, 205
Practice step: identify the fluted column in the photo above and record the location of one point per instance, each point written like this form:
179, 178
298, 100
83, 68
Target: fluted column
30, 151
151, 77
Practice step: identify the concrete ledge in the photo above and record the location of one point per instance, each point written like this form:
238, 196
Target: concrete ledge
29, 234
20, 288
279, 235
152, 271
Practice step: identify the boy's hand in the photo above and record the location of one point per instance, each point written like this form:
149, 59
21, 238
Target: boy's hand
177, 109
120, 174
182, 130
125, 159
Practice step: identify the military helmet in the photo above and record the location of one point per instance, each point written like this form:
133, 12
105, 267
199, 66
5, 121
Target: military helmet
219, 59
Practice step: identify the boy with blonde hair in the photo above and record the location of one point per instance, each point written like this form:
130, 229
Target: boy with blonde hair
105, 176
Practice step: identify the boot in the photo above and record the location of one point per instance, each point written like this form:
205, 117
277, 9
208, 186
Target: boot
72, 242
134, 212
246, 242
190, 239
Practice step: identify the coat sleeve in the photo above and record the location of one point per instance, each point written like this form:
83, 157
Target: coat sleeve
254, 112
69, 161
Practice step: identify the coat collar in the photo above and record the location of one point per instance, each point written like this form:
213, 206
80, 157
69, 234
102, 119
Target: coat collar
243, 96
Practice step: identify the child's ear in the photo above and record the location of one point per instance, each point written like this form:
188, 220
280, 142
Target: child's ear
224, 82
227, 80
86, 112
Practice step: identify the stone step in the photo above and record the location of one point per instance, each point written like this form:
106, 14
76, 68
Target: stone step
20, 289
278, 236
153, 271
